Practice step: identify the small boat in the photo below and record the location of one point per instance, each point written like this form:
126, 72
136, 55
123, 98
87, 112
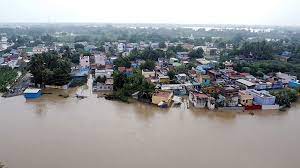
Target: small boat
162, 104
177, 100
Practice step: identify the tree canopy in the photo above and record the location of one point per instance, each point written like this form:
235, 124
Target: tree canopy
196, 53
149, 64
50, 68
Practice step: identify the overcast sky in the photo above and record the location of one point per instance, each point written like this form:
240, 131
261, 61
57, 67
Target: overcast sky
266, 12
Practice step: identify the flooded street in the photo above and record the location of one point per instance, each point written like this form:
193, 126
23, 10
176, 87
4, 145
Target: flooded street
94, 132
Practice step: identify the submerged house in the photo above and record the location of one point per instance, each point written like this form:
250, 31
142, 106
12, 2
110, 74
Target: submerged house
245, 98
162, 96
230, 95
199, 100
32, 93
107, 86
262, 97
177, 89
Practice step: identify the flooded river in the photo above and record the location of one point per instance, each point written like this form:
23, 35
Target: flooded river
54, 132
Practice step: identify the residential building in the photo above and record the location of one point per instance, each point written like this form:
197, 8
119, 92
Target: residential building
245, 98
199, 100
147, 74
181, 77
104, 87
262, 97
84, 61
285, 78
104, 72
3, 43
100, 59
242, 83
39, 49
177, 89
162, 96
230, 94
121, 47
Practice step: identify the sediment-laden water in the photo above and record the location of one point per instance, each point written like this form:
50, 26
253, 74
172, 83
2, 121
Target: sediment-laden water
70, 133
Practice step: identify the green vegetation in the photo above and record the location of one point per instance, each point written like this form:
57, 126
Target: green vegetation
50, 68
124, 86
256, 50
149, 64
162, 45
171, 75
122, 62
285, 97
260, 68
196, 53
72, 56
146, 54
7, 77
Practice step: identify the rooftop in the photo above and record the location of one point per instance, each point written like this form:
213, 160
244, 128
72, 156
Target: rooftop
245, 82
164, 94
31, 90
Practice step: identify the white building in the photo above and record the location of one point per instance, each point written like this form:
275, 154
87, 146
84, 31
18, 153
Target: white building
3, 43
100, 59
121, 47
155, 45
39, 50
148, 74
105, 72
84, 61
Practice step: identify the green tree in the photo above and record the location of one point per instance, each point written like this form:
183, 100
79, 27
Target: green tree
171, 74
50, 68
78, 46
122, 62
124, 86
285, 97
196, 53
7, 76
162, 45
149, 64
246, 69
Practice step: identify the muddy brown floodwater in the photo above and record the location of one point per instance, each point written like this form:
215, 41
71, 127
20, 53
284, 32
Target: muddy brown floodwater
53, 132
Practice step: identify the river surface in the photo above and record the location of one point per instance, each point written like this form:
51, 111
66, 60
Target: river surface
56, 132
